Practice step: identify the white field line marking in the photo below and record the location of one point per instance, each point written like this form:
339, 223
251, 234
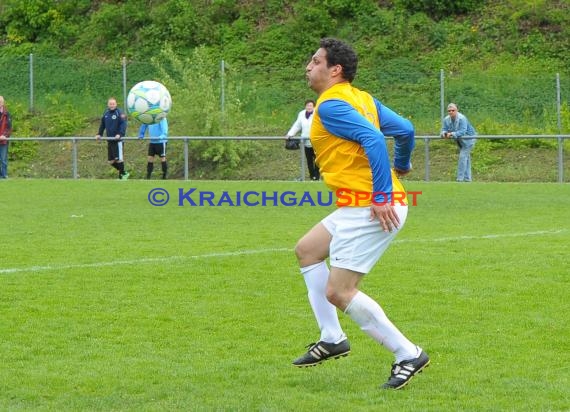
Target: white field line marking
497, 236
142, 260
254, 252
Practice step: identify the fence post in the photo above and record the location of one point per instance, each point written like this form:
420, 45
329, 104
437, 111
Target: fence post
302, 155
185, 158
560, 139
441, 117
74, 157
442, 94
31, 109
426, 159
124, 63
223, 93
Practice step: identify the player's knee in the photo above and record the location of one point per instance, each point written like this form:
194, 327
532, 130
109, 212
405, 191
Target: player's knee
334, 296
301, 250
306, 254
340, 297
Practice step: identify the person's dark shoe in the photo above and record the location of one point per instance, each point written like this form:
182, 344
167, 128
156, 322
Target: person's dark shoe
403, 372
322, 351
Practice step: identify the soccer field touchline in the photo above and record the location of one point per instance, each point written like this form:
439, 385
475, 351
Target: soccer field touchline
256, 251
495, 236
142, 260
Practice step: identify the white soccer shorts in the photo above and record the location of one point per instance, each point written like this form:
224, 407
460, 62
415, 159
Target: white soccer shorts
357, 243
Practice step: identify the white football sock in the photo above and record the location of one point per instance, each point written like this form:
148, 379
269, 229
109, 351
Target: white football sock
316, 278
372, 320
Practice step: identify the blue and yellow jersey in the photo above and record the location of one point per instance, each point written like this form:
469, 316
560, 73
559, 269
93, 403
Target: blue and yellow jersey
347, 135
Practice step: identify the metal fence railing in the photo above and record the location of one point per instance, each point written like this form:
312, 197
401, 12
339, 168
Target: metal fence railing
427, 140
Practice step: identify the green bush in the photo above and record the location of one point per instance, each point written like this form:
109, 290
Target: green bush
441, 8
192, 83
22, 127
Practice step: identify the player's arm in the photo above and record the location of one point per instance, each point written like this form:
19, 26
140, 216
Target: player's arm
8, 129
444, 128
142, 131
341, 119
101, 127
402, 130
164, 128
461, 127
296, 127
122, 124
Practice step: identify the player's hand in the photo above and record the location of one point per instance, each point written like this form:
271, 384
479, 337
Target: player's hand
98, 138
118, 137
386, 215
400, 172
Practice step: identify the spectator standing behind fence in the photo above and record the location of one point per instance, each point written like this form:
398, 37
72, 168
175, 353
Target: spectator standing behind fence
456, 126
114, 122
5, 131
303, 125
158, 134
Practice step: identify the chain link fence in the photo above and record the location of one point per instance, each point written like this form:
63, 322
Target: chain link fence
509, 105
539, 100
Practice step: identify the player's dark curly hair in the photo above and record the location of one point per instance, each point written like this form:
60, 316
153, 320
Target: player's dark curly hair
338, 52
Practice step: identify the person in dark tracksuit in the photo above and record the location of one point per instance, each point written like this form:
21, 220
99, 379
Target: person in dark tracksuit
114, 121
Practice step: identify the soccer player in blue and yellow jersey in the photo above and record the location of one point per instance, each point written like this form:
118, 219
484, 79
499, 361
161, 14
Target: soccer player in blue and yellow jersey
347, 134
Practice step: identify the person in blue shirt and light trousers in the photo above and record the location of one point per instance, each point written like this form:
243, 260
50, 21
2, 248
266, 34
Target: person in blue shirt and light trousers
456, 126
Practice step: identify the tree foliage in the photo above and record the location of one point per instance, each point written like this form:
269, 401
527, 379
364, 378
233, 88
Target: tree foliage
439, 9
254, 31
193, 83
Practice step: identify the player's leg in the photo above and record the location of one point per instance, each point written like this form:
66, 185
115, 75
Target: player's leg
311, 251
123, 175
113, 155
310, 156
467, 176
343, 292
354, 250
150, 160
163, 161
462, 163
4, 160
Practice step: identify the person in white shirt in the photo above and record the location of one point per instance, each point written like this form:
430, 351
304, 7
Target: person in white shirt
303, 125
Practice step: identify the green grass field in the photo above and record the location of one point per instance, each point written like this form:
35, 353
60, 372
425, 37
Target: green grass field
108, 303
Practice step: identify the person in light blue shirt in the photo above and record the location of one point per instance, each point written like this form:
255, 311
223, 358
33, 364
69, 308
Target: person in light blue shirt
456, 126
158, 133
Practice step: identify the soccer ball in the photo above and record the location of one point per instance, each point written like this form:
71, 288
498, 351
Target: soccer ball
149, 102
